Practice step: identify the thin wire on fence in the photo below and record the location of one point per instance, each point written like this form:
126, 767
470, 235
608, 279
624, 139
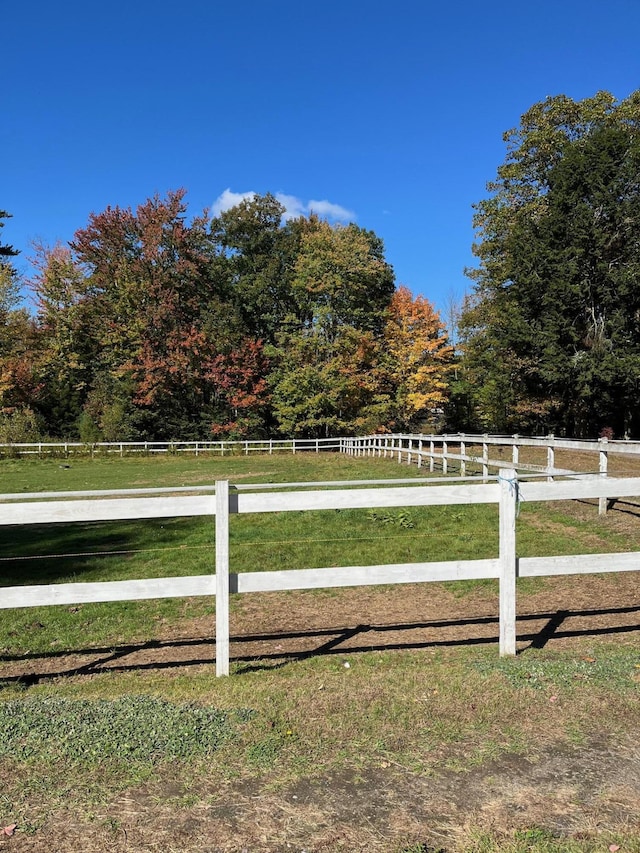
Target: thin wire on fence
260, 543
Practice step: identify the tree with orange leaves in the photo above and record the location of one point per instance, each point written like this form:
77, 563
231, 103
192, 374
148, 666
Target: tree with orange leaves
418, 359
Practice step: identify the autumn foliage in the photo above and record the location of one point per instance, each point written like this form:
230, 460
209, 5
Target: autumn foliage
150, 325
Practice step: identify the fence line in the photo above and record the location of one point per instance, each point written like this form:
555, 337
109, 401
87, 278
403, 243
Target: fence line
124, 448
506, 493
434, 449
339, 443
407, 447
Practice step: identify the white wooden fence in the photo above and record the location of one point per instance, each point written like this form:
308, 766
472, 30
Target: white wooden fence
149, 448
463, 451
421, 448
457, 449
460, 450
507, 491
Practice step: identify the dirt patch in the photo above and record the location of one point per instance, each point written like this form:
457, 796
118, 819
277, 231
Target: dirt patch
583, 790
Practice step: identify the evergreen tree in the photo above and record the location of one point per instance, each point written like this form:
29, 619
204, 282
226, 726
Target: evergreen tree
550, 334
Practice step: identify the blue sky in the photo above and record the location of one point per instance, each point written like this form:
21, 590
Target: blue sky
390, 111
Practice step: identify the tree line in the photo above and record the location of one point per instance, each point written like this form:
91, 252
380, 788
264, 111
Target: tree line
150, 325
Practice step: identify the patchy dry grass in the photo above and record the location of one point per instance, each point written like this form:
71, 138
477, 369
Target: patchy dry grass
377, 719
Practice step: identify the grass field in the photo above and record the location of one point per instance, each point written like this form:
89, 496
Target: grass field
361, 719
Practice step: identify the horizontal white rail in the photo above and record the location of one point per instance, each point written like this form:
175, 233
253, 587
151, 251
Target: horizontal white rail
572, 490
578, 564
53, 512
84, 593
454, 570
367, 498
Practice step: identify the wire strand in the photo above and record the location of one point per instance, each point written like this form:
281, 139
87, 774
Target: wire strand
264, 542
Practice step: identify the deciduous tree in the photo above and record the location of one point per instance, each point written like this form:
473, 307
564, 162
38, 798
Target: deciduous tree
418, 359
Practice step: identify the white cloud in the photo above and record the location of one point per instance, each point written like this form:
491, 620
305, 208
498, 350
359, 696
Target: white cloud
331, 211
293, 206
228, 199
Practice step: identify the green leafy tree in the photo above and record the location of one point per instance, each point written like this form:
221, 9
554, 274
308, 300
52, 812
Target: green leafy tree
341, 278
257, 253
326, 377
66, 349
548, 334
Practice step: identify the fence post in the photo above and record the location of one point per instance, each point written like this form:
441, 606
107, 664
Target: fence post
463, 453
222, 577
515, 452
550, 457
485, 458
602, 502
445, 461
431, 455
507, 507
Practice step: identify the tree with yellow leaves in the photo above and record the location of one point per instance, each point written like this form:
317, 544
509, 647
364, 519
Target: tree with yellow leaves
418, 359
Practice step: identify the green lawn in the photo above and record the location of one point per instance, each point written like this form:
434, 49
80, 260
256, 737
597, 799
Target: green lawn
185, 546
157, 758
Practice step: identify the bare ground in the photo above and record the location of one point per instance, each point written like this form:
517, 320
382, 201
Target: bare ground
587, 788
576, 793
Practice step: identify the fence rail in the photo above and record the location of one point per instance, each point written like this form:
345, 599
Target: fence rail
126, 448
506, 492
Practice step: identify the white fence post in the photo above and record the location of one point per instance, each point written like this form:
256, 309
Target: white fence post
551, 458
602, 502
222, 577
515, 452
507, 507
445, 461
485, 458
431, 456
463, 453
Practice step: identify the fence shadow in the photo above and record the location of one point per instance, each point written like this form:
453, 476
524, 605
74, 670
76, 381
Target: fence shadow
266, 651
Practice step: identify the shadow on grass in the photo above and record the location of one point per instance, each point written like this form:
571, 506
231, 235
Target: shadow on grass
161, 654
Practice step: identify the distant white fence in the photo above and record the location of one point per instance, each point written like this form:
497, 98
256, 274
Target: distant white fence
506, 567
458, 449
465, 452
452, 449
461, 449
149, 448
